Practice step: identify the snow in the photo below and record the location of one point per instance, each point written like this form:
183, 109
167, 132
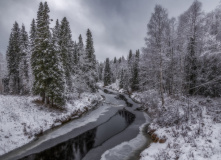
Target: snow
198, 138
21, 119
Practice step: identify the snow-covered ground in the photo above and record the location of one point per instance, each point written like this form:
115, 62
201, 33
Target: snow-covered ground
21, 118
196, 137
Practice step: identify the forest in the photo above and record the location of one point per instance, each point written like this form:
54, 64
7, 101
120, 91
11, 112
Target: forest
181, 56
47, 62
175, 77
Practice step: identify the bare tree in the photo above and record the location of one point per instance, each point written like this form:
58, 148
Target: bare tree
156, 42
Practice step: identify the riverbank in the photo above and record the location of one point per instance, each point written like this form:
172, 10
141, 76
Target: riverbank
184, 128
191, 127
22, 119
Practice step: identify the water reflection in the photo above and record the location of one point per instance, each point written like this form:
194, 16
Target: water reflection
76, 148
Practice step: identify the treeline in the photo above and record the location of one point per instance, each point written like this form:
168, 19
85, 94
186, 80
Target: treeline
126, 71
182, 56
47, 62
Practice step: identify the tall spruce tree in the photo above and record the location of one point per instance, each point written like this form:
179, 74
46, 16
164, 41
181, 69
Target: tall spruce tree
56, 77
135, 73
89, 67
81, 52
90, 58
32, 35
75, 59
107, 73
13, 58
24, 63
66, 49
41, 51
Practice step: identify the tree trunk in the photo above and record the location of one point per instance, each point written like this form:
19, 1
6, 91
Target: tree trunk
47, 100
43, 97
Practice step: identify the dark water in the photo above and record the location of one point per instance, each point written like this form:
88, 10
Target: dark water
76, 148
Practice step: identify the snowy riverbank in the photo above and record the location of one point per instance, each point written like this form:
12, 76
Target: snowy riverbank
21, 119
191, 126
190, 134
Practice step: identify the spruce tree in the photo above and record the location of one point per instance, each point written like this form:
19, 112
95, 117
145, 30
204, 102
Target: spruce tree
107, 73
90, 58
32, 37
121, 83
115, 60
40, 53
135, 73
66, 49
32, 34
13, 58
89, 66
81, 53
130, 63
130, 55
76, 57
56, 77
24, 62
80, 44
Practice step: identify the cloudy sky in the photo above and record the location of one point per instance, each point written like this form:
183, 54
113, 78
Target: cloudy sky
116, 25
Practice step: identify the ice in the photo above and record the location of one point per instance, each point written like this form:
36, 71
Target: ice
127, 149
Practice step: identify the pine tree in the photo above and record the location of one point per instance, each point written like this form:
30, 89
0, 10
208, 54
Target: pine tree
13, 59
90, 58
121, 84
32, 34
32, 37
115, 60
80, 44
135, 73
89, 66
81, 53
130, 63
107, 73
24, 62
75, 59
56, 77
41, 51
66, 49
130, 55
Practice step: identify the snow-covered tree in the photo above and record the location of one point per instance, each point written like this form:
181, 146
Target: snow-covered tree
24, 65
66, 49
135, 72
89, 64
56, 76
13, 57
107, 73
41, 50
156, 44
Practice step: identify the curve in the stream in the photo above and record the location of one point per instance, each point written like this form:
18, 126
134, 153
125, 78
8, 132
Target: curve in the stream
76, 148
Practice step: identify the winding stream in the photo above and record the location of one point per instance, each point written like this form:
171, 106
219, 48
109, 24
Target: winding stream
112, 131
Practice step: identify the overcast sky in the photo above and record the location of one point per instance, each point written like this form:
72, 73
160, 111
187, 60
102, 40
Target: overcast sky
116, 25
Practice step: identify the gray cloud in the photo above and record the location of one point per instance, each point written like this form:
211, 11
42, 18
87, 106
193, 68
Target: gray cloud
117, 25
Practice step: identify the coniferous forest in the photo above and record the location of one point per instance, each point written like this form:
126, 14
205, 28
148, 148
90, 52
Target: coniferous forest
47, 62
